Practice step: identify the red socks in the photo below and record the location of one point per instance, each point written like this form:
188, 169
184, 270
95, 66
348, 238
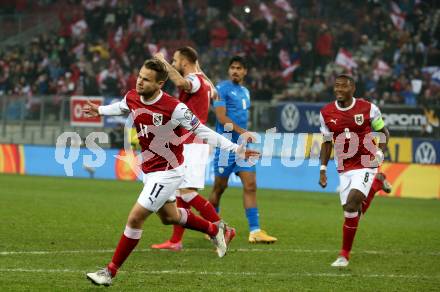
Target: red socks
205, 208
195, 222
375, 187
348, 232
131, 237
127, 243
352, 219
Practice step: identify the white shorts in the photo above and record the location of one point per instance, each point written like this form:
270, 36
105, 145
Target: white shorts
196, 158
160, 187
359, 179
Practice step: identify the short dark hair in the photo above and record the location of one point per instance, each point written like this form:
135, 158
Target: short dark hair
158, 66
189, 53
348, 77
238, 59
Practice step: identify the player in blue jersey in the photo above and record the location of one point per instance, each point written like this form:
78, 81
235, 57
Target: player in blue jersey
232, 112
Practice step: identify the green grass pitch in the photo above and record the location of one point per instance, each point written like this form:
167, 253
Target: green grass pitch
54, 230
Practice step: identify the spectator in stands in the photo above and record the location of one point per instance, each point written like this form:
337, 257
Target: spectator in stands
324, 46
317, 88
408, 95
93, 33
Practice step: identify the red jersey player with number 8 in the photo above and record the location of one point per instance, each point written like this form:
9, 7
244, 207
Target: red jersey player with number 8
353, 124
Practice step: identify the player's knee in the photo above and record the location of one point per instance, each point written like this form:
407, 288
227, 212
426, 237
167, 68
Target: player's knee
250, 187
134, 222
354, 202
168, 220
351, 207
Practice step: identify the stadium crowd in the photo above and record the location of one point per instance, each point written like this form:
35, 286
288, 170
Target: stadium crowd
295, 48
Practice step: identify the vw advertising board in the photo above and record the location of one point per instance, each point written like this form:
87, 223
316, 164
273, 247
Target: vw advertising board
298, 117
426, 151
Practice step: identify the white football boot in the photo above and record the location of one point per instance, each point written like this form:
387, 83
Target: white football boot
101, 277
341, 262
219, 240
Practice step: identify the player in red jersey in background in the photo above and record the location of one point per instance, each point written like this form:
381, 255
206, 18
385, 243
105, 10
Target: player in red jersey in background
159, 119
195, 90
350, 123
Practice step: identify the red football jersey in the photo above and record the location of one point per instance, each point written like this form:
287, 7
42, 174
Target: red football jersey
158, 137
344, 125
197, 99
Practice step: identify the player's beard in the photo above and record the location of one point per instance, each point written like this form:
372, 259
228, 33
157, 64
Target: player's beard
147, 93
341, 97
178, 69
236, 79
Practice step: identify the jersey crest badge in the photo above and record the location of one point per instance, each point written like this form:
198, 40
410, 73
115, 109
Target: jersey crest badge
157, 119
188, 115
359, 119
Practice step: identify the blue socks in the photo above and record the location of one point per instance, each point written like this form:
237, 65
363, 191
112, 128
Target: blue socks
253, 219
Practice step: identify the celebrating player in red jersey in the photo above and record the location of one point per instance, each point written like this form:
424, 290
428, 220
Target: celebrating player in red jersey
350, 123
195, 92
159, 119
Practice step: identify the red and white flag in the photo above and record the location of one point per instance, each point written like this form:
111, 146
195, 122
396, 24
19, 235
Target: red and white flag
266, 12
283, 4
78, 50
118, 35
287, 65
381, 69
142, 22
237, 22
153, 49
78, 28
164, 52
284, 58
345, 59
397, 16
287, 73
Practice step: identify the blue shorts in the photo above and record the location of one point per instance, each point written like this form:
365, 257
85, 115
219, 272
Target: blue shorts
225, 164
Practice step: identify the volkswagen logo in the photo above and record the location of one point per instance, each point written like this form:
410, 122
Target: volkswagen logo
425, 153
290, 117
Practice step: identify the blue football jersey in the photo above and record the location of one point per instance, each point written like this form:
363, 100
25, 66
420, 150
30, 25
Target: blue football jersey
236, 99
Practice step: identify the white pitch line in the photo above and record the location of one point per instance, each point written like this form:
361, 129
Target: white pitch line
287, 250
220, 273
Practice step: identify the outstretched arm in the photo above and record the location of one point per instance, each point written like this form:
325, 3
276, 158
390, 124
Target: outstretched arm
189, 121
217, 140
214, 138
114, 109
